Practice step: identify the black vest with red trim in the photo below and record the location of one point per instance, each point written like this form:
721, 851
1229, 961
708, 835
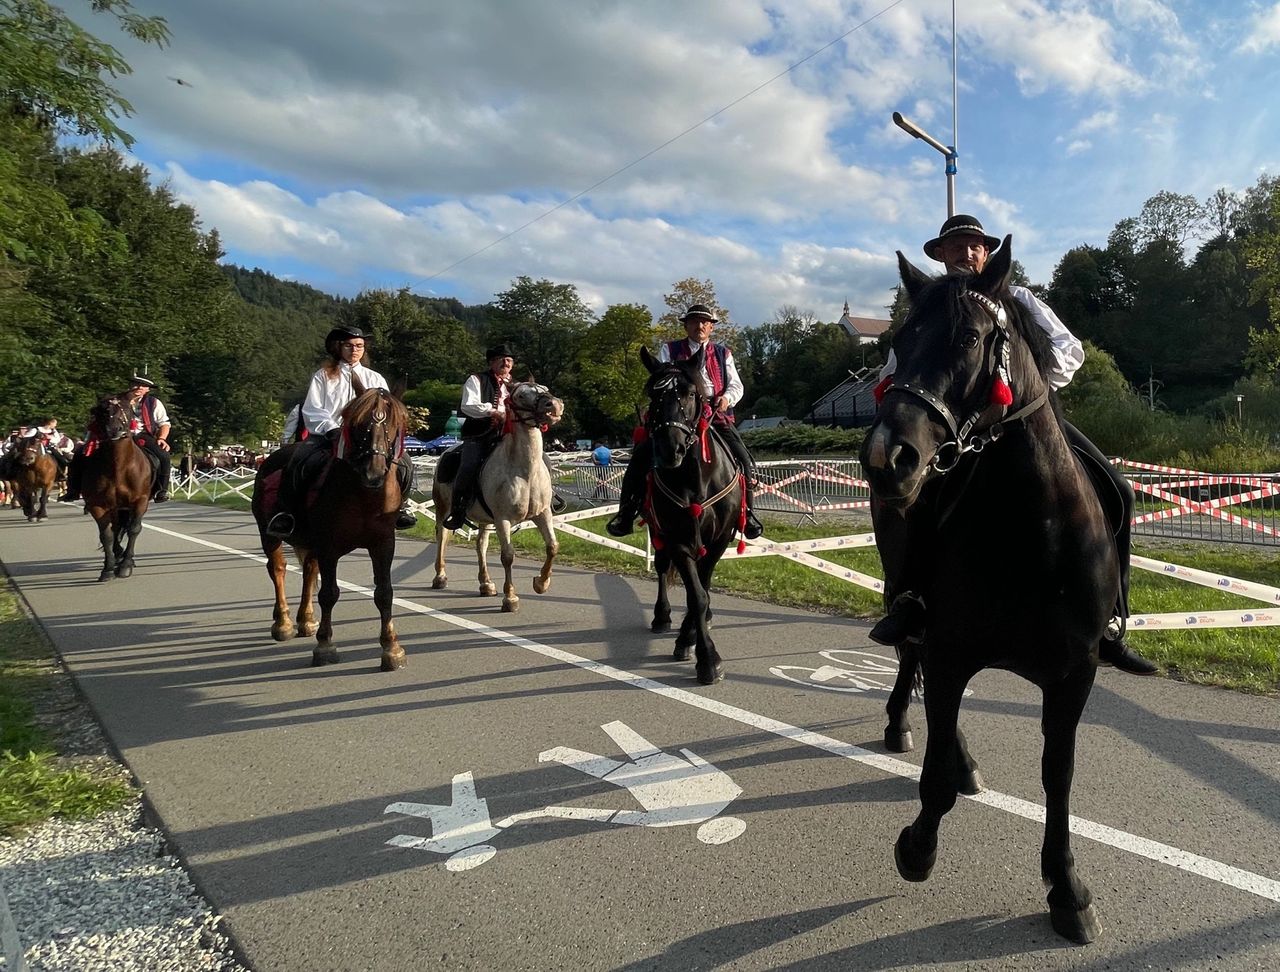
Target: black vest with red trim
679, 351
146, 411
472, 427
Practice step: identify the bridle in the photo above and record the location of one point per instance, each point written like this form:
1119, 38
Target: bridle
378, 439
112, 429
664, 388
534, 416
964, 438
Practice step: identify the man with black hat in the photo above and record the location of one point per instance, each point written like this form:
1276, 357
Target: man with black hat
484, 411
722, 388
963, 246
332, 388
151, 430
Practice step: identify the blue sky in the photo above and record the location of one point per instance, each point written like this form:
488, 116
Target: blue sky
375, 144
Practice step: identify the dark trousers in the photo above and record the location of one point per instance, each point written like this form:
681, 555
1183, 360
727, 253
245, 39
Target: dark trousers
474, 451
310, 456
162, 474
1094, 459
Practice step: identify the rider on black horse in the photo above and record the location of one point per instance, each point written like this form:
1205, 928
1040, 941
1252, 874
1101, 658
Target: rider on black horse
963, 246
722, 389
332, 389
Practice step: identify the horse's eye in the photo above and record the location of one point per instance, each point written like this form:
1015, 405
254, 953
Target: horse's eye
968, 340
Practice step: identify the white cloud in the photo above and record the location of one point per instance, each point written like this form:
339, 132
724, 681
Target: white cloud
1078, 145
1263, 31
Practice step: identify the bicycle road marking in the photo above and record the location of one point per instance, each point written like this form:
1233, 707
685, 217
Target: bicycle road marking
1153, 850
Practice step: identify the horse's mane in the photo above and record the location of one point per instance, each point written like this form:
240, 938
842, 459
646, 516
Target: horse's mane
944, 299
360, 409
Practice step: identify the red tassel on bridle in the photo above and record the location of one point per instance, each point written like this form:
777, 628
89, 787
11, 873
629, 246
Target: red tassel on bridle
880, 389
703, 425
1001, 394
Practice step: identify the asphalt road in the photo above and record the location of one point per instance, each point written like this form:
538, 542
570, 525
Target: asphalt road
594, 808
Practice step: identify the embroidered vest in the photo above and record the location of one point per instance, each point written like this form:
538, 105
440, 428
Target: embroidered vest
679, 351
146, 411
472, 427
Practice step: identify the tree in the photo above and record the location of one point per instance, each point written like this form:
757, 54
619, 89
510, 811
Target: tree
52, 70
611, 377
688, 291
409, 341
1170, 217
544, 322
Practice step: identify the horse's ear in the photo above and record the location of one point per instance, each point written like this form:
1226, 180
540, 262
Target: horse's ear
398, 389
648, 360
995, 275
912, 278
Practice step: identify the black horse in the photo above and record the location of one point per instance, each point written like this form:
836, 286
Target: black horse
1022, 573
694, 502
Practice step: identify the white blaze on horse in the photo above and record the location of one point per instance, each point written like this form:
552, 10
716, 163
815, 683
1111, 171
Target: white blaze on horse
513, 486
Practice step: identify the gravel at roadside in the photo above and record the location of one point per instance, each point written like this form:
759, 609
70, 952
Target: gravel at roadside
103, 894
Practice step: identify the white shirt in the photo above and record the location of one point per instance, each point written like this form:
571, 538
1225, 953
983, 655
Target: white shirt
57, 440
327, 397
474, 405
291, 424
732, 381
1068, 352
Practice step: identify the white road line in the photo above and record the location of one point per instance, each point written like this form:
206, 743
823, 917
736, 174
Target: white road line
1206, 867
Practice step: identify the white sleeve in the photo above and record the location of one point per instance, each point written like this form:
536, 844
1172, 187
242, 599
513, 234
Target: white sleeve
890, 365
159, 413
472, 405
371, 379
291, 424
664, 353
732, 381
1068, 352
315, 407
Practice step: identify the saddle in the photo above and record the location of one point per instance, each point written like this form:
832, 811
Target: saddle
1108, 494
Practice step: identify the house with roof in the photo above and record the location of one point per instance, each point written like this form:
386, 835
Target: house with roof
864, 330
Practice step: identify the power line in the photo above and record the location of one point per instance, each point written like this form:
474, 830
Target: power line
654, 151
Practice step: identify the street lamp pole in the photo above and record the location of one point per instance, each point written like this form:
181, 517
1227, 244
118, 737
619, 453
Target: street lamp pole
1240, 411
948, 151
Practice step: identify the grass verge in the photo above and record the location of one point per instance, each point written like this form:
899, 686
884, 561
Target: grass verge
36, 781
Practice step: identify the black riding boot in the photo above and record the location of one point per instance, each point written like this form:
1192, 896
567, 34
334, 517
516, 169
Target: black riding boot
405, 518
631, 493
162, 477
903, 622
73, 478
464, 484
289, 520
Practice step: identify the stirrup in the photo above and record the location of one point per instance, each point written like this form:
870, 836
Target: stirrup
281, 526
558, 504
754, 528
405, 519
161, 497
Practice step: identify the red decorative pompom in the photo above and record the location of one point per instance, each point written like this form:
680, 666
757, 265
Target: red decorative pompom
695, 509
742, 546
881, 388
640, 435
1000, 393
702, 552
656, 541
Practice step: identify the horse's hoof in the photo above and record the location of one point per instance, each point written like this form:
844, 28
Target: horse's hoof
440, 583
106, 575
898, 742
511, 606
681, 653
540, 586
123, 572
308, 628
970, 784
684, 640
393, 662
324, 656
1080, 927
32, 519
660, 626
488, 590
709, 676
912, 870
282, 633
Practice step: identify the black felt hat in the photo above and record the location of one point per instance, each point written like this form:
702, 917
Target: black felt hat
499, 351
344, 332
700, 312
959, 225
142, 380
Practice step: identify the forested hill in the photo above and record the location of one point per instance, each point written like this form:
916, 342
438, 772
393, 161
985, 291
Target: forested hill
262, 289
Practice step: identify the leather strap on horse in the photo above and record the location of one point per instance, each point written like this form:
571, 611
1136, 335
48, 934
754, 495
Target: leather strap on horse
695, 508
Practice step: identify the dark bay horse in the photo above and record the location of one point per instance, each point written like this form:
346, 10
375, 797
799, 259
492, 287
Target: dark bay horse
694, 502
115, 483
1021, 568
356, 500
35, 472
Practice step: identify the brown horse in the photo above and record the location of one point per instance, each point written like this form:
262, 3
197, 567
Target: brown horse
115, 483
356, 501
35, 472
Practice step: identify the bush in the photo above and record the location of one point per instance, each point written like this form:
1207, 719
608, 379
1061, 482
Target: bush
805, 440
